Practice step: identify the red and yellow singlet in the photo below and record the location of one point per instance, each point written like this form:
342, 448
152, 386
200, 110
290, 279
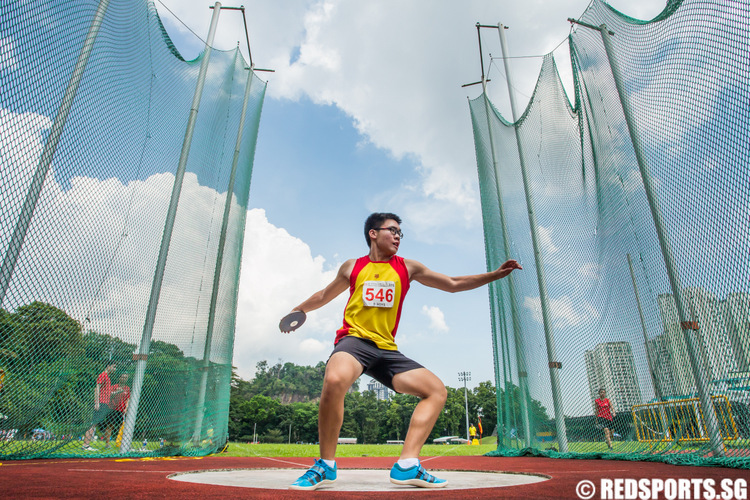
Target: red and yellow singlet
376, 295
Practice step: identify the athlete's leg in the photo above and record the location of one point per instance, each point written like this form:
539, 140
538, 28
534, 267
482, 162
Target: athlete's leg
424, 384
341, 372
608, 437
88, 436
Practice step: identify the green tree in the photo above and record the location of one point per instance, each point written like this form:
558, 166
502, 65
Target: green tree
41, 333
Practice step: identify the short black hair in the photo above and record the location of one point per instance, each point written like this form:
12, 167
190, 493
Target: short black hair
375, 220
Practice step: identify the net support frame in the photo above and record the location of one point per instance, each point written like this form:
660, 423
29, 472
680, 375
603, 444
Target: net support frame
520, 358
219, 261
148, 327
651, 369
716, 442
50, 147
554, 366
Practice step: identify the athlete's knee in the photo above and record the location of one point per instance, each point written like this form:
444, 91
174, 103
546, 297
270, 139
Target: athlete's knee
441, 394
336, 382
437, 392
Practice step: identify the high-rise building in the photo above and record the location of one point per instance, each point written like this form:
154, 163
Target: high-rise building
381, 391
711, 344
736, 312
611, 366
676, 346
712, 331
658, 348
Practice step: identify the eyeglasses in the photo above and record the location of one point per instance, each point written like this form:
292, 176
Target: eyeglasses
393, 229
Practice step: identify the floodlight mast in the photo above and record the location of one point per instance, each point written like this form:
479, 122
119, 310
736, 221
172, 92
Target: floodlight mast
464, 377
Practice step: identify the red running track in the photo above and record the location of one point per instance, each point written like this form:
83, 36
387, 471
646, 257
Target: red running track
148, 478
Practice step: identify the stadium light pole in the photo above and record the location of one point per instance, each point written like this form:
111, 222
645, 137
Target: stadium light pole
464, 377
148, 327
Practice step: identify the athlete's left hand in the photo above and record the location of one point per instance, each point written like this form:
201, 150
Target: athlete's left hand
508, 267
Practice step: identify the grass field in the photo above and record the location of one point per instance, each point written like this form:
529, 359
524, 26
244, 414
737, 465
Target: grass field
355, 450
434, 450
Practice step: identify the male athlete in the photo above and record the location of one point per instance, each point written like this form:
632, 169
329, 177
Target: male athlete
377, 284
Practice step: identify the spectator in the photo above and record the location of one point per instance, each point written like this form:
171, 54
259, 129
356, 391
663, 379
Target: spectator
102, 408
604, 416
120, 399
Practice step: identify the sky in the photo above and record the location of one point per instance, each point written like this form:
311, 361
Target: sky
365, 111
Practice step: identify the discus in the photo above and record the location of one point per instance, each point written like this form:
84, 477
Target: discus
292, 321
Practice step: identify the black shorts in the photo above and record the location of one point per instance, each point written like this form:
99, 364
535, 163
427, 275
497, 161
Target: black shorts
114, 419
603, 423
380, 364
101, 415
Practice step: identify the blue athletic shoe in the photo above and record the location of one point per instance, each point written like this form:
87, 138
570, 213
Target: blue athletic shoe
415, 476
317, 475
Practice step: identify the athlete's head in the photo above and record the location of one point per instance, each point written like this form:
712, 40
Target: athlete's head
375, 221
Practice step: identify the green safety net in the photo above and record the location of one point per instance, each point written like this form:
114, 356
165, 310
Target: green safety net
110, 251
629, 212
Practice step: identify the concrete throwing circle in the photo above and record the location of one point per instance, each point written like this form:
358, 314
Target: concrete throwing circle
352, 479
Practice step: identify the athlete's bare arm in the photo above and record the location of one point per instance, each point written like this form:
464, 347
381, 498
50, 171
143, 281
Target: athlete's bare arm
422, 274
330, 292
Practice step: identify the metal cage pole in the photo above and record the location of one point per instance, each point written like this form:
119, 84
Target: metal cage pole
219, 260
148, 327
554, 365
50, 147
651, 369
517, 336
717, 444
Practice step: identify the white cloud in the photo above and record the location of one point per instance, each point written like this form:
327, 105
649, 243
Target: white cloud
396, 68
590, 270
436, 317
20, 149
545, 239
279, 272
109, 233
564, 312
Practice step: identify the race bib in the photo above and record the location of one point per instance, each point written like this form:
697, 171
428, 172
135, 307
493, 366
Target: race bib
378, 293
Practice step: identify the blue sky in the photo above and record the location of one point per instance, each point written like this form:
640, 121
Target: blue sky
366, 112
